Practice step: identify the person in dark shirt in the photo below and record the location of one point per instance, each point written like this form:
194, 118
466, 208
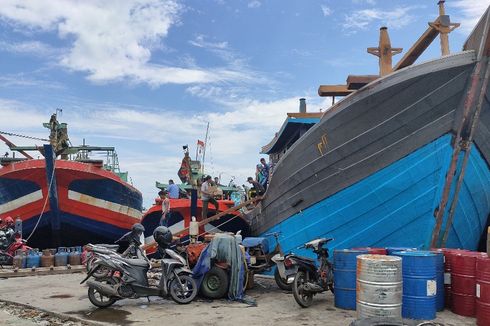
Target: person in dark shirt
259, 189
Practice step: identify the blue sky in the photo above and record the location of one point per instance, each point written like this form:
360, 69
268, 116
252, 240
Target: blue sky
146, 76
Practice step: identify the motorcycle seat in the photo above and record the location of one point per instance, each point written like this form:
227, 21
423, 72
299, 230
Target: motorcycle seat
135, 262
251, 242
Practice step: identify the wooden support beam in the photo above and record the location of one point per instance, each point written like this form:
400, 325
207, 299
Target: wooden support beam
305, 115
334, 90
354, 82
385, 52
417, 48
207, 220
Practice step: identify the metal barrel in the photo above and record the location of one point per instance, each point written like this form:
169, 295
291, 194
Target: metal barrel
482, 291
372, 251
391, 250
344, 274
419, 284
379, 286
440, 298
463, 282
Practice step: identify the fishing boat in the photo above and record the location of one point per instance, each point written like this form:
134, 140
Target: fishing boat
402, 160
66, 198
188, 204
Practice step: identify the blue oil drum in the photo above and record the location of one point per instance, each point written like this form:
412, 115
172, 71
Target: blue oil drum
391, 250
440, 302
419, 272
344, 277
61, 257
33, 259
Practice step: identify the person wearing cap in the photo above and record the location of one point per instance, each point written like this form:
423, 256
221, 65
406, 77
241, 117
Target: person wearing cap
207, 196
259, 189
165, 207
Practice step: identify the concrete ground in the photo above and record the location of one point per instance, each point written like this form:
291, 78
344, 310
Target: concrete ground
62, 294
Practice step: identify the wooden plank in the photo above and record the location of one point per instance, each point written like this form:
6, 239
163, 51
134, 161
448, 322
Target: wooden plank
355, 82
10, 272
305, 115
418, 48
207, 220
334, 90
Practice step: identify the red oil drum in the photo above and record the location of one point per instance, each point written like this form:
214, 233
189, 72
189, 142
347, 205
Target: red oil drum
463, 282
483, 291
372, 251
448, 252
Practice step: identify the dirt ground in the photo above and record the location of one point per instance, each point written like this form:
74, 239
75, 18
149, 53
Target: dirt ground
67, 299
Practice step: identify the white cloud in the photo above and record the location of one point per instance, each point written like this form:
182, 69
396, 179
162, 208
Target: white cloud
254, 4
468, 12
326, 10
113, 41
149, 140
362, 19
369, 2
29, 47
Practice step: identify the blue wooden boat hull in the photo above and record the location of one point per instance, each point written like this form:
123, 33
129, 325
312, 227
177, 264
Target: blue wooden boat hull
395, 206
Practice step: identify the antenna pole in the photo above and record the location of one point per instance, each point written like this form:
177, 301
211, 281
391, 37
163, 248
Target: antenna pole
204, 150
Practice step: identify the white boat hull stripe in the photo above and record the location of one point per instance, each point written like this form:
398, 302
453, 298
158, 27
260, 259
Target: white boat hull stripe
101, 203
21, 201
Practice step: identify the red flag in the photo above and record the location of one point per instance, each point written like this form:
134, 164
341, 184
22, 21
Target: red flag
200, 143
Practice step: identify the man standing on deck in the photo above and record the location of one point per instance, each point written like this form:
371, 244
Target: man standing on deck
165, 208
265, 173
207, 197
173, 190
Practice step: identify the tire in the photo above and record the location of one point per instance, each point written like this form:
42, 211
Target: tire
190, 289
98, 299
283, 285
215, 283
303, 299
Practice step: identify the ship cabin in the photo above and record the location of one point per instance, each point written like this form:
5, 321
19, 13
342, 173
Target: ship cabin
293, 128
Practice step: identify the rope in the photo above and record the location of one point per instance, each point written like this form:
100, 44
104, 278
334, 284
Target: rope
22, 136
45, 202
214, 227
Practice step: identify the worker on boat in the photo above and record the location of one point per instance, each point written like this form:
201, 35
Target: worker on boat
259, 189
207, 196
165, 208
173, 190
265, 171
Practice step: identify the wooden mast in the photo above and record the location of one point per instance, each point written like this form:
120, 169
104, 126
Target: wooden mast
444, 26
385, 52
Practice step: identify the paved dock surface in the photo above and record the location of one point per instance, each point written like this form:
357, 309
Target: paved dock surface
62, 294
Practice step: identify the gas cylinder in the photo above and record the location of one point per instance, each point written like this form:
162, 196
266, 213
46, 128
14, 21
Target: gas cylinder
61, 257
74, 256
33, 259
18, 259
47, 259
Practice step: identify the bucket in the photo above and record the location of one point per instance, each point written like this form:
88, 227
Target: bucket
419, 284
344, 274
379, 286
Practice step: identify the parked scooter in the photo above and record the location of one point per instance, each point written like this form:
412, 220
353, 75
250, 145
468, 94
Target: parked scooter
310, 280
10, 242
263, 260
127, 278
133, 237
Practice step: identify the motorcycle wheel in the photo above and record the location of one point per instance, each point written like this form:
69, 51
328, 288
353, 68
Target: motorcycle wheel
282, 284
183, 289
98, 299
215, 283
302, 298
6, 259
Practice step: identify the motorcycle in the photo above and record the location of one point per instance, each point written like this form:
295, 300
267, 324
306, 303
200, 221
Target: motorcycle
10, 242
128, 279
262, 260
92, 251
310, 280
